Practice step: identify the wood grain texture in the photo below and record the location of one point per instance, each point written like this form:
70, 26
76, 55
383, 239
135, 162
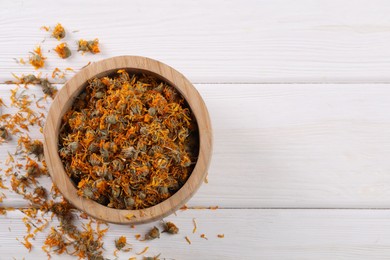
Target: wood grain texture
249, 233
213, 41
292, 146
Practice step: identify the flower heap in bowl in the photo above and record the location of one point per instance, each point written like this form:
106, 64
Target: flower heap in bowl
128, 140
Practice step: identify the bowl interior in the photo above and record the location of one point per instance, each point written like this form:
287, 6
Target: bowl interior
64, 101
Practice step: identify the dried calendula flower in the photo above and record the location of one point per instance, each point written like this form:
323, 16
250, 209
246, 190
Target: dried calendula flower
121, 243
40, 192
36, 58
58, 32
170, 228
153, 234
4, 133
30, 79
89, 46
63, 50
133, 133
35, 147
47, 88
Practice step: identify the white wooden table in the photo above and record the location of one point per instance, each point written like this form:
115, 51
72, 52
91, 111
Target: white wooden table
299, 97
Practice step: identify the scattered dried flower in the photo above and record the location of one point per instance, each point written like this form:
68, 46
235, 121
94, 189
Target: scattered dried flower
63, 50
58, 32
37, 59
170, 228
153, 234
89, 46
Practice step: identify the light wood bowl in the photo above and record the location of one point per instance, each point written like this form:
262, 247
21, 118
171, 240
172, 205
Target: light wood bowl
64, 101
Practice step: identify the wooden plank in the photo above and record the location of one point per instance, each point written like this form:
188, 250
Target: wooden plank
292, 146
249, 233
213, 41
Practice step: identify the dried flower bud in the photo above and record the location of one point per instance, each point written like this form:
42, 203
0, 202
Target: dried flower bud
163, 190
40, 192
120, 242
58, 32
170, 228
73, 146
129, 152
63, 51
117, 165
111, 119
30, 79
94, 160
136, 109
64, 151
105, 154
93, 147
143, 130
153, 234
141, 195
91, 46
3, 133
47, 88
97, 84
162, 163
99, 95
88, 193
36, 148
129, 202
116, 191
152, 111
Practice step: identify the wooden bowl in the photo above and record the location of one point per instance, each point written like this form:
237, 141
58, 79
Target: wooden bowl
64, 101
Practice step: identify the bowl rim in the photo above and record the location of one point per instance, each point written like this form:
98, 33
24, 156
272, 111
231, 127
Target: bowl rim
65, 98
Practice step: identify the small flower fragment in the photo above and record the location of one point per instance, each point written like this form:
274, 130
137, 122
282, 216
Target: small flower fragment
89, 46
36, 58
153, 234
63, 50
170, 228
58, 32
143, 251
221, 235
129, 216
121, 244
204, 236
27, 243
45, 28
194, 221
